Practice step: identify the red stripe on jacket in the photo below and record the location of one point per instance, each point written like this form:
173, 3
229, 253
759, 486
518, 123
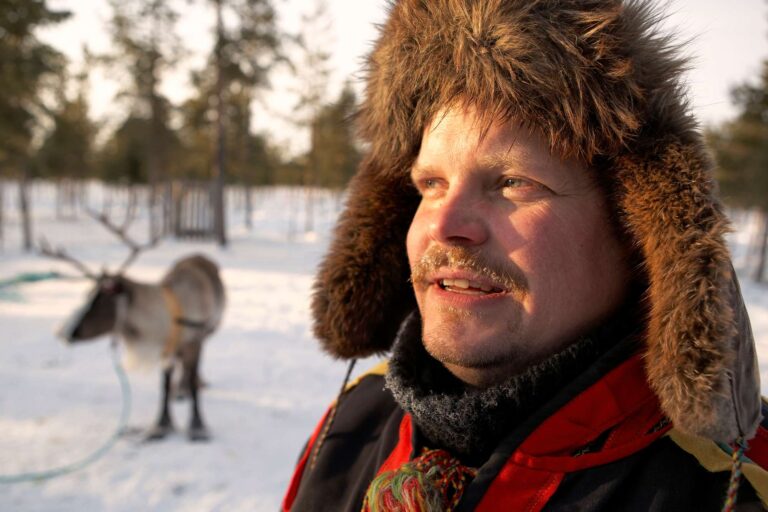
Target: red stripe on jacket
293, 488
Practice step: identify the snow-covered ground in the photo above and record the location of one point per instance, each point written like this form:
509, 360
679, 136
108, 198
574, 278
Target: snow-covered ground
268, 382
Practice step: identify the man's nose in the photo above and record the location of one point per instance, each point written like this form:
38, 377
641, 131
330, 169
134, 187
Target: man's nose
459, 220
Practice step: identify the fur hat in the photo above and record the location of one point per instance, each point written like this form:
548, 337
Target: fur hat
599, 81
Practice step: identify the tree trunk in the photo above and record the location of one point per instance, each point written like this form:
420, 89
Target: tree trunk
248, 207
219, 222
26, 221
177, 196
763, 248
338, 201
153, 172
130, 207
168, 207
59, 199
2, 214
293, 211
309, 204
72, 193
82, 196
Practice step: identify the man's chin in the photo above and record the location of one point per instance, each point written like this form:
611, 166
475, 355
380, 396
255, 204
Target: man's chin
481, 376
475, 363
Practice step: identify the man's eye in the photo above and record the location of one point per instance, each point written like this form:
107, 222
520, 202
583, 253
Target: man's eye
515, 183
427, 185
522, 189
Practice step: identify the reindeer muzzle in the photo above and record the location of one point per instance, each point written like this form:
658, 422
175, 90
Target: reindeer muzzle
71, 331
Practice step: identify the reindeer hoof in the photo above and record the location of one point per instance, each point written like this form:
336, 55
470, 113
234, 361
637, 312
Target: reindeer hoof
158, 432
198, 434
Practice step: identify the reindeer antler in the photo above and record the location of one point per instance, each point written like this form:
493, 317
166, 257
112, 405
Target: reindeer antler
122, 233
60, 254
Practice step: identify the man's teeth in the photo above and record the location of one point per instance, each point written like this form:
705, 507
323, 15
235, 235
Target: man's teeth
465, 284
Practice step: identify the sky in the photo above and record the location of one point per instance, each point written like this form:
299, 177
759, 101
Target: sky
726, 44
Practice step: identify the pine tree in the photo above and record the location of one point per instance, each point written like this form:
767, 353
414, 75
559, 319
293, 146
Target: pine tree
243, 55
67, 149
25, 65
313, 72
147, 47
335, 151
741, 148
249, 155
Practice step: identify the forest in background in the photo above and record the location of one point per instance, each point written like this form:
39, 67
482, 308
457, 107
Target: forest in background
205, 142
183, 155
740, 147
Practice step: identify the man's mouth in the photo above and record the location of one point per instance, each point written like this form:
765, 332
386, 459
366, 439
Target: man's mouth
467, 287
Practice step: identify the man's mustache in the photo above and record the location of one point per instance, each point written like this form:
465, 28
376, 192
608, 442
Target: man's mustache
502, 272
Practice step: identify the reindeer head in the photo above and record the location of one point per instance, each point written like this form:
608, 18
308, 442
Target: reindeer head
99, 314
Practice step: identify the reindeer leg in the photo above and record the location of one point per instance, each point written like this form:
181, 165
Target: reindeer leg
164, 424
191, 362
184, 385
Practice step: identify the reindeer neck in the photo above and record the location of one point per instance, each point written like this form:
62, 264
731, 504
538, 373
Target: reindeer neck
146, 313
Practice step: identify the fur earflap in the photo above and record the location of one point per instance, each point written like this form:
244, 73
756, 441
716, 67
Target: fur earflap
700, 353
602, 85
362, 291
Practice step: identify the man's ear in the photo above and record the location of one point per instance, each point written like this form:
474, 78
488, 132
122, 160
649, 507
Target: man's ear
362, 291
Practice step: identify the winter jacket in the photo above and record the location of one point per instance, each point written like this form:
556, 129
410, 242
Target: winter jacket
602, 443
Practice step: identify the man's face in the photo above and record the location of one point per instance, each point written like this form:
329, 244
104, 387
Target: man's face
511, 250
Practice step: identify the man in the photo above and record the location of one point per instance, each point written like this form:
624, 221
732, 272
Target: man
535, 238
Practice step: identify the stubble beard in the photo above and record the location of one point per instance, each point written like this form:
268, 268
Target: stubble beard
451, 341
447, 331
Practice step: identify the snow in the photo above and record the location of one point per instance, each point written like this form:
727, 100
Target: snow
268, 382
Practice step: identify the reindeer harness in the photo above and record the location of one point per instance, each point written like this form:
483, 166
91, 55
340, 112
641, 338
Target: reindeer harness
178, 321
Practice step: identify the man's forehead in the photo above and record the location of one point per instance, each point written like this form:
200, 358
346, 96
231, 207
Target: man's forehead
480, 124
464, 136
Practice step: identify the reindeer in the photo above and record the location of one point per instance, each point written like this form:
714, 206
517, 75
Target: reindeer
165, 322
